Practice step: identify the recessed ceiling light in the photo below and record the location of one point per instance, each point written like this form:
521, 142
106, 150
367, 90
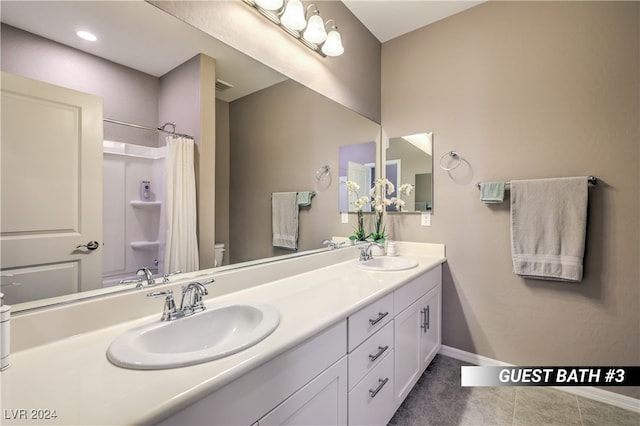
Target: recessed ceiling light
85, 35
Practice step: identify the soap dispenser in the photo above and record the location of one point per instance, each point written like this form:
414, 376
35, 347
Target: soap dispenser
145, 190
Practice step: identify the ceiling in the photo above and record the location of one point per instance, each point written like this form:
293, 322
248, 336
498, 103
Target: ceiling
141, 36
390, 19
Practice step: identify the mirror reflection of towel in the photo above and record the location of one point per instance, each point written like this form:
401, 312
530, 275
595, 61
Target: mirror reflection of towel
304, 198
548, 228
284, 219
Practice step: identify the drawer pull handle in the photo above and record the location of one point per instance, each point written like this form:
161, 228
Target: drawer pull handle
381, 350
381, 315
425, 319
381, 383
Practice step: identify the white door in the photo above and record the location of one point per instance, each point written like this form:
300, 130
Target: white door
50, 190
361, 175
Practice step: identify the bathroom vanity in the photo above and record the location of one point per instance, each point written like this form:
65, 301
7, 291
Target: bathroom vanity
350, 345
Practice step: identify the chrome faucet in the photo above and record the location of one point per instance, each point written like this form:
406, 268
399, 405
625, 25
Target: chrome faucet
332, 244
147, 275
190, 303
193, 293
365, 252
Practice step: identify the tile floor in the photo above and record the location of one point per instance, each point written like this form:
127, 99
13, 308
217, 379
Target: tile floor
438, 399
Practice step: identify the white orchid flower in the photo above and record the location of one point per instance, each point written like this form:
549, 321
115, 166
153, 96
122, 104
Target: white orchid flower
352, 186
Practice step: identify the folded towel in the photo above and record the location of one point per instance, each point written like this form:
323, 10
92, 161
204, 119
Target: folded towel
304, 198
548, 228
284, 219
492, 192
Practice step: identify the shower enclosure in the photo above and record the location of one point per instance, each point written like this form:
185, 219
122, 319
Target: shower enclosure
133, 221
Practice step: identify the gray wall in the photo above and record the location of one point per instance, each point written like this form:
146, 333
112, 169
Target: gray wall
528, 90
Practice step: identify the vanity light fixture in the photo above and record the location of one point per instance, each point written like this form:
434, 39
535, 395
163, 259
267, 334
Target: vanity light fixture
333, 45
270, 4
289, 15
293, 16
315, 32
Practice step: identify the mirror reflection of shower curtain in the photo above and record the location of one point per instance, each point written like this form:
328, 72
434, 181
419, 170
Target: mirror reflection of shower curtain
181, 251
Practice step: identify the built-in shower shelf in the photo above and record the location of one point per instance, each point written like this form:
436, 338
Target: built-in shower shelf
146, 204
145, 245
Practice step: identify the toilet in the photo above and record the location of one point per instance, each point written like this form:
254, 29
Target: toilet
219, 254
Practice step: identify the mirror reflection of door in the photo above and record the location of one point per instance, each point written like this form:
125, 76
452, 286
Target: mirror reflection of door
52, 147
357, 163
361, 175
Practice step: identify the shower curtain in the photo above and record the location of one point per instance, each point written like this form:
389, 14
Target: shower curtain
181, 251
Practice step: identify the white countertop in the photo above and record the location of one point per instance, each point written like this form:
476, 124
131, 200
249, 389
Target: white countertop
74, 378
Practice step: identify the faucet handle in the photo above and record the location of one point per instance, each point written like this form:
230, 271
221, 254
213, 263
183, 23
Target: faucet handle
137, 282
169, 311
165, 278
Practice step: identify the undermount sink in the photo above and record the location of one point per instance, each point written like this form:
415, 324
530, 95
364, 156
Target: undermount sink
214, 333
387, 263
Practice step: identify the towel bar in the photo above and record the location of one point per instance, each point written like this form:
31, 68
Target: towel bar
591, 180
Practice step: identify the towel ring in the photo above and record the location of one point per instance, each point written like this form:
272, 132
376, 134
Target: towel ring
322, 171
455, 156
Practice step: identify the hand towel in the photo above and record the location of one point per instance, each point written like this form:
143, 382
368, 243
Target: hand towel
284, 219
304, 198
492, 192
548, 228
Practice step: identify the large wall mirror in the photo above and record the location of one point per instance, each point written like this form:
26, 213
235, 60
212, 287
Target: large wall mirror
409, 167
272, 134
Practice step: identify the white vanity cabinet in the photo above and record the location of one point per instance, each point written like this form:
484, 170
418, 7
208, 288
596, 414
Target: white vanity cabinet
371, 363
356, 372
307, 381
391, 343
417, 330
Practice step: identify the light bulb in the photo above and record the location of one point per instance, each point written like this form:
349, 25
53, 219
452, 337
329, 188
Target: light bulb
270, 4
333, 45
293, 16
315, 32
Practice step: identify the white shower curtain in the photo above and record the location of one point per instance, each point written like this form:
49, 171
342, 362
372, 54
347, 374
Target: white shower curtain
181, 251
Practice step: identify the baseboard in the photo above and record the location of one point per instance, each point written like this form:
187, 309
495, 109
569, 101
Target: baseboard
590, 392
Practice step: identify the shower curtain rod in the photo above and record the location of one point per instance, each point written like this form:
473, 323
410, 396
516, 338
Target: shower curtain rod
159, 129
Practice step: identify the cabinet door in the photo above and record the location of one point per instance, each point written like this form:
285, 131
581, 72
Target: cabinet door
430, 337
323, 401
408, 359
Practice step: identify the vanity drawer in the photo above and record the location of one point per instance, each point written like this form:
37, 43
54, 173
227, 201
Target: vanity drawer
370, 319
371, 401
413, 290
369, 354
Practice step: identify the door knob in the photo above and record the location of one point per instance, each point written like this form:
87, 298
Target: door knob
91, 245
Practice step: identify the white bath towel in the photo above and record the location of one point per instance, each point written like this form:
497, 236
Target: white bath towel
284, 219
548, 228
